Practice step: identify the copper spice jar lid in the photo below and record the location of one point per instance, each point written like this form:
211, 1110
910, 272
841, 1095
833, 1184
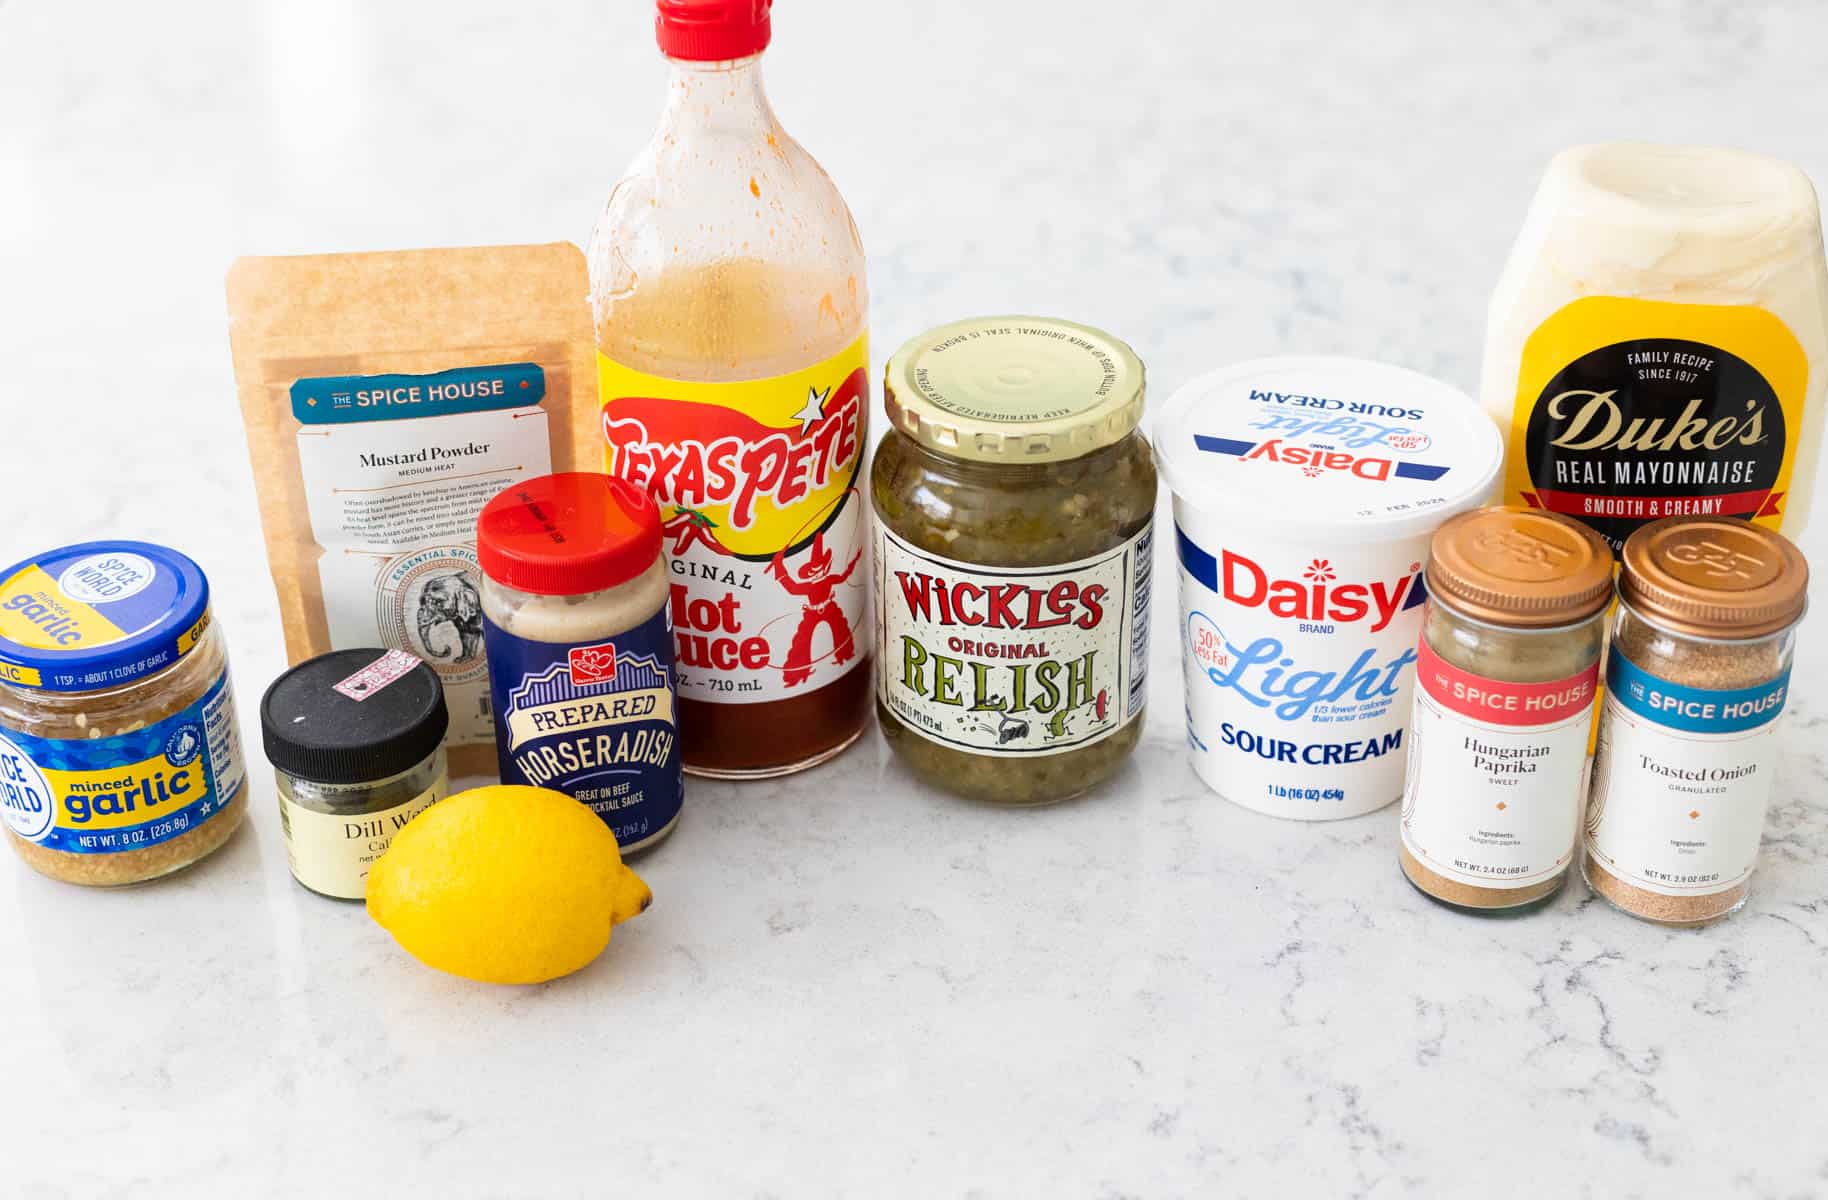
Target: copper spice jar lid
1714, 577
1520, 567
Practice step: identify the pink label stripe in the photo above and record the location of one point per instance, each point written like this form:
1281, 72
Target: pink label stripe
1497, 703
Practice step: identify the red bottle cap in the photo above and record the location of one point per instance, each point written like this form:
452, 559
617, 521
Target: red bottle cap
712, 30
568, 534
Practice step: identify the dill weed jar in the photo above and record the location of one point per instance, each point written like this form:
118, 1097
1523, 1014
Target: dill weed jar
120, 760
356, 739
1014, 504
1698, 674
1506, 673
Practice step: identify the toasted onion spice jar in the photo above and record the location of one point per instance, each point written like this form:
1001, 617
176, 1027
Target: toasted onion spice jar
120, 760
1505, 678
1014, 505
356, 738
580, 646
1305, 494
1697, 676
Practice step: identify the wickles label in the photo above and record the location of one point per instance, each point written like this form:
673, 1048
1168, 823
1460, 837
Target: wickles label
1013, 660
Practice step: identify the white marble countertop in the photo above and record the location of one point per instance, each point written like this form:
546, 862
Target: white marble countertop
851, 985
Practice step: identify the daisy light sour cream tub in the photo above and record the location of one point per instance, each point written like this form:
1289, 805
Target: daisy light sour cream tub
1305, 492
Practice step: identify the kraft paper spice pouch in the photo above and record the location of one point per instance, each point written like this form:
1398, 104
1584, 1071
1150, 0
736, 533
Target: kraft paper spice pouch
387, 397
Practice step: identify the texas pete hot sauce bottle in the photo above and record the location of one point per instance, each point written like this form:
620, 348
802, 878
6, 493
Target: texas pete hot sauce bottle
727, 284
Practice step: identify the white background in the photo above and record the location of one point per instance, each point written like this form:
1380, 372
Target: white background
850, 985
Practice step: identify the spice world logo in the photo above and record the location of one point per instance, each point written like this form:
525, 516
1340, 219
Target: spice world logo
592, 664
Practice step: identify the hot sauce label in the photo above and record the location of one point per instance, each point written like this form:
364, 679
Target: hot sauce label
757, 483
1492, 793
1013, 660
1630, 410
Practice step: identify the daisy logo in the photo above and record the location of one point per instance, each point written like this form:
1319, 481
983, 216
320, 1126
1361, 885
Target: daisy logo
1319, 571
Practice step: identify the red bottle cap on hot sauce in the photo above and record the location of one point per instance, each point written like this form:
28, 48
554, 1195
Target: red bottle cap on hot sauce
712, 30
567, 534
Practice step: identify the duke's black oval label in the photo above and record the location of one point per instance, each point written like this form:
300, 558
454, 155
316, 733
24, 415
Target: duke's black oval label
1628, 411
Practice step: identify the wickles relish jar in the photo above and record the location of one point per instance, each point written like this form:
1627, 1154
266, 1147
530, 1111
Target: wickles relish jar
1697, 676
1505, 677
1014, 504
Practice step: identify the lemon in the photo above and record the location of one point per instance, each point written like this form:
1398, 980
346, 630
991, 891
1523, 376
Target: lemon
504, 884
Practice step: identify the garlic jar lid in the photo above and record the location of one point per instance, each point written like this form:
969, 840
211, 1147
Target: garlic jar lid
1520, 567
1321, 447
99, 614
1714, 577
1014, 389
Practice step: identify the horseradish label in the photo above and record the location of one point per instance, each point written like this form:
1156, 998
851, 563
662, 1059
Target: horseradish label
1492, 797
1013, 660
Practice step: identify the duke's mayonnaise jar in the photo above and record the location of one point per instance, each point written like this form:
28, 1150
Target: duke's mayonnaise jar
1658, 343
1305, 491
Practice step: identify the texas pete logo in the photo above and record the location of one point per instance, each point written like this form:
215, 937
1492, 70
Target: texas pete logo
749, 487
592, 664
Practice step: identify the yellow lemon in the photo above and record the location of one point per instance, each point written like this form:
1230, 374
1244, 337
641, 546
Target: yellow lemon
505, 885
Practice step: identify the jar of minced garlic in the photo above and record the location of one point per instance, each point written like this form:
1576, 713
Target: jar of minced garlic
120, 760
1697, 677
1506, 674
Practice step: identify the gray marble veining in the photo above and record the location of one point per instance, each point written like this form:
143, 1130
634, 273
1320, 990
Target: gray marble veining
850, 985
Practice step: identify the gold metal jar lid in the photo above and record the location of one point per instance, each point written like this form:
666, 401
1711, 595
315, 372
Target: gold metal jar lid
1714, 577
1520, 567
1014, 389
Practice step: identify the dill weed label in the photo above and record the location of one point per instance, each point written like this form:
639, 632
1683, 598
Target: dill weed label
1013, 661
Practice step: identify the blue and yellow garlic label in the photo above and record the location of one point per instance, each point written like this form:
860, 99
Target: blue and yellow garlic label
104, 795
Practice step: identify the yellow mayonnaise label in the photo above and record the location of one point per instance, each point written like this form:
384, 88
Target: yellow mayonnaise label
1628, 411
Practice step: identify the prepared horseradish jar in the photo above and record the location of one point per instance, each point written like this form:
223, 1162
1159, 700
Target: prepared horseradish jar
356, 739
1658, 343
1305, 493
120, 760
1698, 673
1507, 671
1014, 506
580, 647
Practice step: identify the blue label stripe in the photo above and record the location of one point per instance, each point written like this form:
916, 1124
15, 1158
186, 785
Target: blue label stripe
1219, 445
1196, 562
1693, 709
1405, 470
341, 399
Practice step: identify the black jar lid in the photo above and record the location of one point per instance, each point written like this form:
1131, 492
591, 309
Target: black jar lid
352, 716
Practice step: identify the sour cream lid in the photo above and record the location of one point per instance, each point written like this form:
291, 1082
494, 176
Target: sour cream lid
1319, 446
99, 614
